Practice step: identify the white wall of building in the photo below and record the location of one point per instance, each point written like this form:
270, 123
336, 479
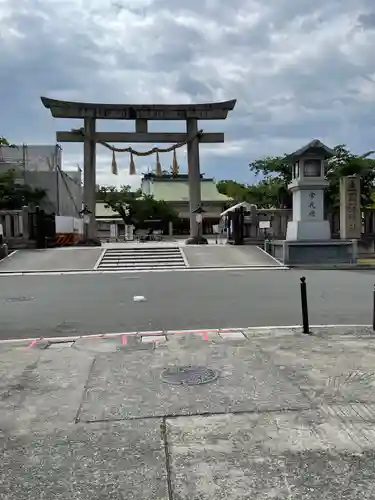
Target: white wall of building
36, 158
39, 166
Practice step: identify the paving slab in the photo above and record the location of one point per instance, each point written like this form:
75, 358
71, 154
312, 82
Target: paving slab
51, 259
128, 384
227, 256
282, 455
123, 461
41, 387
328, 369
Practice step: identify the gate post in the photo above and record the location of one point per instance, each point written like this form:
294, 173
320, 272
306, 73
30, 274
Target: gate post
89, 174
25, 230
194, 179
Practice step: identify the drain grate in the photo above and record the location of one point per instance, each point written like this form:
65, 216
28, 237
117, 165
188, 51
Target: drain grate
19, 299
189, 375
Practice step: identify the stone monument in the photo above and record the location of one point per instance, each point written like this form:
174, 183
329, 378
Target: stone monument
308, 238
350, 208
141, 114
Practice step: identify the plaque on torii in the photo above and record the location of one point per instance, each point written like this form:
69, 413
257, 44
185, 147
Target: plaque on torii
141, 114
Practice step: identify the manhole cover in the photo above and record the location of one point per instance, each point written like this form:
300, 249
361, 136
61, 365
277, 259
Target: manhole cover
20, 299
189, 375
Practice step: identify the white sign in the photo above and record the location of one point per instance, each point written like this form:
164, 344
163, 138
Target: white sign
264, 224
113, 230
129, 232
215, 228
198, 218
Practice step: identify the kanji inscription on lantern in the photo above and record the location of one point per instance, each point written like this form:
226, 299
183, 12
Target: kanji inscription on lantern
312, 206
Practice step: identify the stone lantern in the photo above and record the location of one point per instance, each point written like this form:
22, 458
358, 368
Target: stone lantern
307, 186
308, 237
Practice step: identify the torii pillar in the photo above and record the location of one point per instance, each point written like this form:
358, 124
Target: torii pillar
141, 114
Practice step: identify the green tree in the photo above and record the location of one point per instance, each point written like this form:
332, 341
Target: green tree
5, 142
235, 190
277, 173
270, 192
135, 207
345, 163
121, 200
14, 196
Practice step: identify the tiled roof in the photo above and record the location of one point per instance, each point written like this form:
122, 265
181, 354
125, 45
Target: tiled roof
179, 191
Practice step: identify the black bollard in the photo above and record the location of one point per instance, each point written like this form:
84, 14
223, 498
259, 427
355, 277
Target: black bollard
305, 313
373, 310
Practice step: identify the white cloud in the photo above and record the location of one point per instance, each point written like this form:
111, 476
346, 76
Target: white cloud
299, 70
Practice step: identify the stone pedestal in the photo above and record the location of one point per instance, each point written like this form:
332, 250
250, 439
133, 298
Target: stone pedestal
196, 240
310, 252
3, 251
308, 210
308, 230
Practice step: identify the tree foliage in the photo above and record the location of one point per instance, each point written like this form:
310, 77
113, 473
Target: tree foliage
5, 142
344, 163
134, 207
13, 196
270, 192
276, 172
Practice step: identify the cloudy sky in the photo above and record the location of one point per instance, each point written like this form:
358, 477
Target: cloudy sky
300, 69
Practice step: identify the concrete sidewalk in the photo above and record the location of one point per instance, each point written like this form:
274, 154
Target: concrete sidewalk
51, 259
288, 417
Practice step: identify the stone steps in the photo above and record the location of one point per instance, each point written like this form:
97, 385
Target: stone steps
124, 259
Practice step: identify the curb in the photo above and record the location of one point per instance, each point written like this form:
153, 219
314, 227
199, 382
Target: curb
141, 271
332, 267
205, 333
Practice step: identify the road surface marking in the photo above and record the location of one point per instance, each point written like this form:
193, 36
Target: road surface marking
270, 256
8, 256
97, 263
184, 257
33, 342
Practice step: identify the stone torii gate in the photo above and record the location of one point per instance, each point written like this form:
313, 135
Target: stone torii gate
141, 114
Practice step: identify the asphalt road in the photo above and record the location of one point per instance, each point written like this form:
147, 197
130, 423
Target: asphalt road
33, 306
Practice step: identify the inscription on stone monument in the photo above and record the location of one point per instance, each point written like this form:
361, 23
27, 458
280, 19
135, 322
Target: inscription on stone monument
352, 204
350, 208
